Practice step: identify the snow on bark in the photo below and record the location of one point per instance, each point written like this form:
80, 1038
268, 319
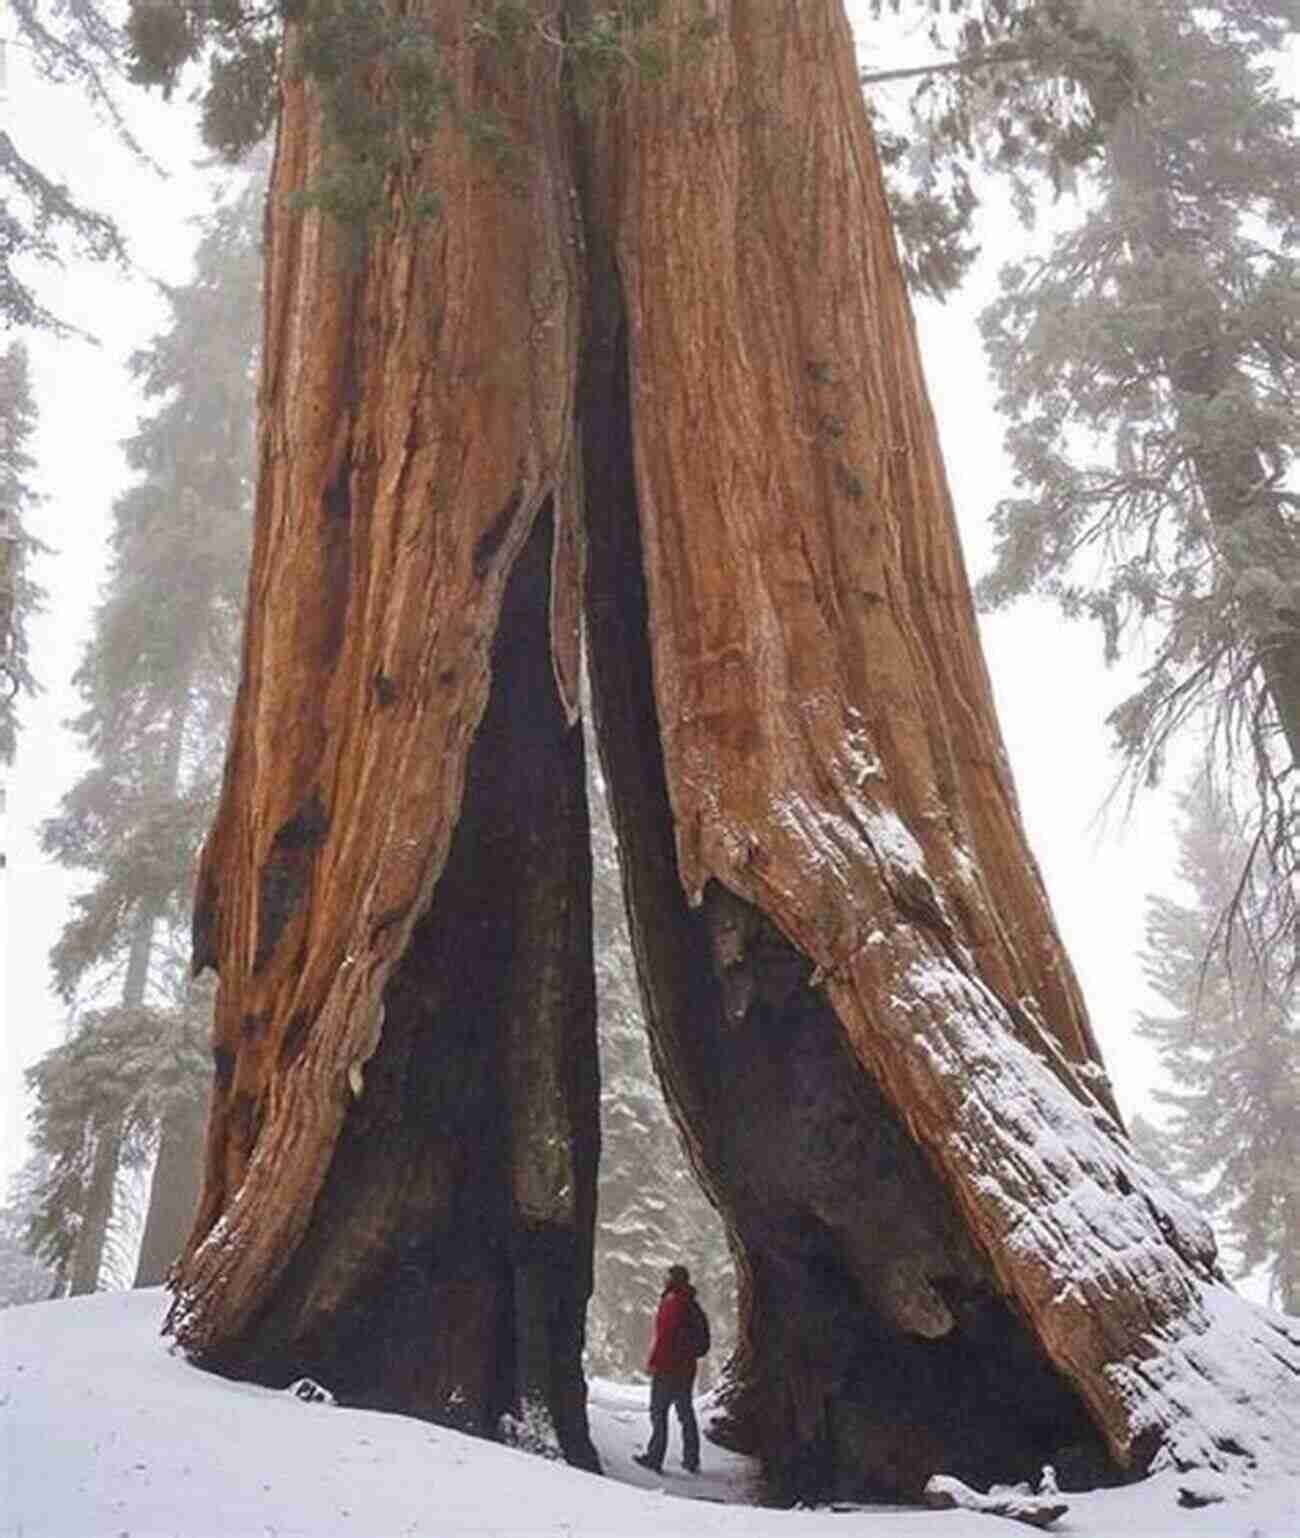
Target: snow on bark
836, 787
829, 736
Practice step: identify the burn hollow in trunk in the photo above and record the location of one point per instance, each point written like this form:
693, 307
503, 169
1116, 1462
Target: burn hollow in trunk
875, 1348
447, 1266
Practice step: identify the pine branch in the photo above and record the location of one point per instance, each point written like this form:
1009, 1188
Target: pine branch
966, 65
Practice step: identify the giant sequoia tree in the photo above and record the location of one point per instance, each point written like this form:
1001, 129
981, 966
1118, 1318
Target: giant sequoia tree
625, 344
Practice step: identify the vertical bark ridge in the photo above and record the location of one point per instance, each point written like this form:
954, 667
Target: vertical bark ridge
831, 752
843, 1380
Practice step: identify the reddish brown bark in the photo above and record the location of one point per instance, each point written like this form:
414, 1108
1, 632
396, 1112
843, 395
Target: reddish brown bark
861, 1011
415, 416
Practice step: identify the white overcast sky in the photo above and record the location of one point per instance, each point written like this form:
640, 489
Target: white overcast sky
1053, 693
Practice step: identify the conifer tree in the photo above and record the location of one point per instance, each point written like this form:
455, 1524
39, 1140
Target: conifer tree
19, 595
23, 1277
1149, 365
157, 679
1021, 91
1229, 1041
75, 41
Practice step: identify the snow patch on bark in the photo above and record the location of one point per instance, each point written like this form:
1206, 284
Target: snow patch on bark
1233, 1384
1207, 1380
1117, 1271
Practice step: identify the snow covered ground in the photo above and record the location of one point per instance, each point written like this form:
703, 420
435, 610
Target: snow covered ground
104, 1434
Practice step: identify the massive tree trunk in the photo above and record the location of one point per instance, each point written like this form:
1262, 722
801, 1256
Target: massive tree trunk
678, 315
400, 1172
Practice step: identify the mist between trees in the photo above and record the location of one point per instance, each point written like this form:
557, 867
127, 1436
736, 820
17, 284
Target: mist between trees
1148, 362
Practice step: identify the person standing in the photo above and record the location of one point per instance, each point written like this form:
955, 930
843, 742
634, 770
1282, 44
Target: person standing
673, 1354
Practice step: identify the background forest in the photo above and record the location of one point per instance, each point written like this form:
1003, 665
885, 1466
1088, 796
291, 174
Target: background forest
1130, 177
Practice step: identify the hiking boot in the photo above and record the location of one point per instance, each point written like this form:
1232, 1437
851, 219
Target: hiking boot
690, 1468
647, 1463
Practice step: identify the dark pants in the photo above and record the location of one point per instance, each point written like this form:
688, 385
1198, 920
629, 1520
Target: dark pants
673, 1390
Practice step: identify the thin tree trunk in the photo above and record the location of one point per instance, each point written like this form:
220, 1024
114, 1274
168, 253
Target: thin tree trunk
174, 1183
97, 1210
97, 1213
173, 1192
865, 1023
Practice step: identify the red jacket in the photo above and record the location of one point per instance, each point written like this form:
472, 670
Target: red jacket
671, 1351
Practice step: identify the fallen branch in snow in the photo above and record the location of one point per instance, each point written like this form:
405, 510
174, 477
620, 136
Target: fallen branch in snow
943, 1492
310, 1392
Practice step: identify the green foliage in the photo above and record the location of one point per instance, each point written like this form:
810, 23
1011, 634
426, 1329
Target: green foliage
1148, 363
346, 47
240, 45
20, 598
379, 71
1024, 89
1229, 1042
238, 111
157, 680
933, 213
23, 1278
113, 1076
611, 45
77, 43
384, 78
